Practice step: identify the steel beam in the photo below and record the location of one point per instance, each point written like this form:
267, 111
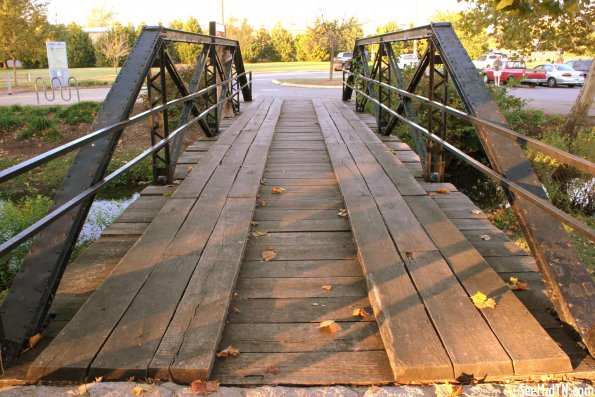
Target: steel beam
421, 32
570, 285
24, 310
180, 36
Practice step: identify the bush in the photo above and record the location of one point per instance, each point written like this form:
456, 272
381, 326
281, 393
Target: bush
9, 119
83, 112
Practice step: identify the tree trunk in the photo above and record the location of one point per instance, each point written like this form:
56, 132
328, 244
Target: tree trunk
330, 75
581, 107
14, 70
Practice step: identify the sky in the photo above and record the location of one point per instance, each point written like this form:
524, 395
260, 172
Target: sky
294, 15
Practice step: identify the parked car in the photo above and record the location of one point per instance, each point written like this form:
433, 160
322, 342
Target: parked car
516, 69
407, 61
582, 65
339, 62
561, 73
487, 60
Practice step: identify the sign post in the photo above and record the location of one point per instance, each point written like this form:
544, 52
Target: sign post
58, 63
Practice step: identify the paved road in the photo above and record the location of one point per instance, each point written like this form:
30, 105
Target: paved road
550, 100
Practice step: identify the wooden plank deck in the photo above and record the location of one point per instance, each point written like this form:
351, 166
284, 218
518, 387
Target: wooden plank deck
194, 282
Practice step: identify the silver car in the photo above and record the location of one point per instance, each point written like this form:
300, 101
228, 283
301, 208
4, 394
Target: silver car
562, 74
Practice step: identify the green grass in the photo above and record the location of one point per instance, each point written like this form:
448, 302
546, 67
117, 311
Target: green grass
322, 82
287, 66
85, 76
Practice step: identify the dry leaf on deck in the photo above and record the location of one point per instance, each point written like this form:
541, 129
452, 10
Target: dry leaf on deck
229, 351
254, 223
517, 285
443, 190
343, 213
168, 194
327, 287
260, 233
278, 190
204, 388
263, 181
329, 326
260, 201
453, 391
131, 379
269, 254
485, 237
34, 340
190, 169
98, 379
359, 312
481, 301
476, 212
141, 389
272, 369
235, 310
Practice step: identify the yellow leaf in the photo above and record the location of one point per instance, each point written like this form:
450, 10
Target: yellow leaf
259, 233
269, 254
443, 190
204, 388
190, 169
278, 190
327, 287
481, 301
502, 4
98, 379
34, 340
329, 326
168, 194
359, 312
141, 389
229, 351
517, 285
513, 280
453, 391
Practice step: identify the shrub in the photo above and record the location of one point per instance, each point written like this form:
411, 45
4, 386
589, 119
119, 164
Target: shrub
83, 112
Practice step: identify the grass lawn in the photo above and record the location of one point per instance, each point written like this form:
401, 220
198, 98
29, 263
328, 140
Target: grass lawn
95, 75
337, 81
287, 66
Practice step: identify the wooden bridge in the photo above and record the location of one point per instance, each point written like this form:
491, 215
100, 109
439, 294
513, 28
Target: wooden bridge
301, 248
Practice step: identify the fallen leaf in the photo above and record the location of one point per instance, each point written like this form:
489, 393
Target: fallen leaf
343, 213
272, 369
254, 223
204, 388
329, 326
235, 310
229, 351
141, 389
485, 237
152, 380
269, 254
359, 312
168, 194
260, 233
278, 190
476, 212
170, 185
443, 190
261, 202
98, 379
34, 340
190, 169
327, 287
517, 285
453, 391
263, 181
131, 379
481, 301
432, 195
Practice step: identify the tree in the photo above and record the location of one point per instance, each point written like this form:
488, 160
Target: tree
101, 17
262, 48
527, 25
283, 43
242, 32
185, 52
114, 46
476, 42
81, 53
308, 48
23, 27
336, 34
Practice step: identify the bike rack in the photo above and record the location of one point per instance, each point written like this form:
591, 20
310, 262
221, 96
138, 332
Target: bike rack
54, 87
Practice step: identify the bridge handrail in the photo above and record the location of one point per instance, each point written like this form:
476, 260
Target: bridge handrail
584, 165
41, 224
27, 165
558, 154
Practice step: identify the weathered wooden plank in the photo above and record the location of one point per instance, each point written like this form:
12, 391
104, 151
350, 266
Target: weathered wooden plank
72, 351
190, 158
303, 287
319, 268
154, 190
320, 368
138, 216
529, 346
301, 310
317, 225
301, 182
301, 337
296, 174
512, 263
300, 203
188, 346
412, 345
301, 253
270, 214
126, 229
302, 238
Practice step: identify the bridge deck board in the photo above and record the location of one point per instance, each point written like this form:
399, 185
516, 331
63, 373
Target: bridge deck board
274, 309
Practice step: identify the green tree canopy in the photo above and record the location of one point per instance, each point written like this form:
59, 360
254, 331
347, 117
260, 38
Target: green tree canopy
242, 32
283, 43
23, 30
262, 47
81, 53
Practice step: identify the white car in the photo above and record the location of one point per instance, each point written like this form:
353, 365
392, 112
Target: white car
561, 73
407, 61
487, 60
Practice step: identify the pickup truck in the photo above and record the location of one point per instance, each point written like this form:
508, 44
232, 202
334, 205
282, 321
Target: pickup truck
512, 70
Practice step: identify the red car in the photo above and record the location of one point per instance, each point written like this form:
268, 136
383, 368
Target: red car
512, 70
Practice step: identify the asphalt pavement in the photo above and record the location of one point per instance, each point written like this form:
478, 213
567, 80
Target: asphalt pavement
550, 100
